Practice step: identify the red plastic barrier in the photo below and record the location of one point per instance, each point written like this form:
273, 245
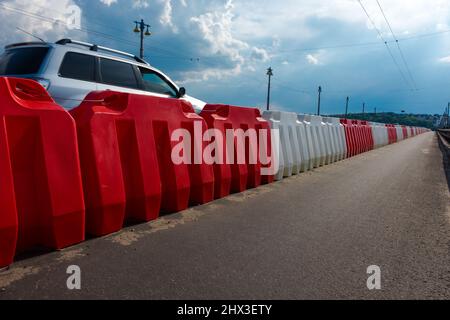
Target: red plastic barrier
357, 136
368, 136
392, 133
389, 132
230, 178
363, 142
126, 147
41, 198
364, 138
350, 137
405, 132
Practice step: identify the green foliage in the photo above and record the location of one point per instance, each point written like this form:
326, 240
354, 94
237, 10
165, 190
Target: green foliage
414, 120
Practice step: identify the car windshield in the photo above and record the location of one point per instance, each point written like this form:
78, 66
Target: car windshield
155, 83
22, 61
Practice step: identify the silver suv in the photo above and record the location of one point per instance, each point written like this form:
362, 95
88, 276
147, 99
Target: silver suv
70, 69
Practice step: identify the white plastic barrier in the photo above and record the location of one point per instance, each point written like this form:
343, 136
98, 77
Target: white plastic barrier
399, 133
318, 139
341, 137
303, 145
290, 156
327, 141
380, 134
337, 138
376, 135
311, 158
385, 134
329, 137
315, 149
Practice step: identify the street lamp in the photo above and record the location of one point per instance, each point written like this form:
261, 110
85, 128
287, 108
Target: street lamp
270, 75
140, 28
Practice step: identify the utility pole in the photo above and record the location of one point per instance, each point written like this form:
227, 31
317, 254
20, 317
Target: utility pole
346, 106
375, 110
318, 103
270, 75
364, 108
140, 27
448, 115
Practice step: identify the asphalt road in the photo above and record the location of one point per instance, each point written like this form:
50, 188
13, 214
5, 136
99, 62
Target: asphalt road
308, 237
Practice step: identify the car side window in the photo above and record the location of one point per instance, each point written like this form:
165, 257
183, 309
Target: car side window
118, 73
155, 83
78, 66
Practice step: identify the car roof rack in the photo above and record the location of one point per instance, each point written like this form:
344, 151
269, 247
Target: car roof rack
94, 47
21, 44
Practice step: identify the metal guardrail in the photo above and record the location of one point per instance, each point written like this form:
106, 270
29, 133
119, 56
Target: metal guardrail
444, 144
445, 135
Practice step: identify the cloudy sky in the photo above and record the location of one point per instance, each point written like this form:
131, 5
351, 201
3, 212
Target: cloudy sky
220, 49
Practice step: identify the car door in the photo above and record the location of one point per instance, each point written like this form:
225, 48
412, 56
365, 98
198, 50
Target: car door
157, 83
126, 77
76, 78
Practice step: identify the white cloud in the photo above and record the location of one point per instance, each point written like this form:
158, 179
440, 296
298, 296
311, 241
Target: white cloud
183, 3
137, 4
48, 19
414, 16
108, 2
216, 29
260, 54
166, 16
445, 59
312, 59
209, 73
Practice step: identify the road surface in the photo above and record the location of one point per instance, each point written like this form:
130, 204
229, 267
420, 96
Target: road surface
307, 237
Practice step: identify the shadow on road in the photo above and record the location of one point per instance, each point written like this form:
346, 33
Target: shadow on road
445, 148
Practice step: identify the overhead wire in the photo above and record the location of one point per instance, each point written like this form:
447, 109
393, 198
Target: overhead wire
398, 47
386, 44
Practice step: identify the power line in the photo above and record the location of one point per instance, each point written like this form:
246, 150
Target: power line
337, 46
30, 34
91, 21
170, 53
366, 44
287, 87
424, 35
57, 21
88, 31
386, 44
398, 46
180, 57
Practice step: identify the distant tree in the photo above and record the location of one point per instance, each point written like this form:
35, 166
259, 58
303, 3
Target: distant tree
424, 120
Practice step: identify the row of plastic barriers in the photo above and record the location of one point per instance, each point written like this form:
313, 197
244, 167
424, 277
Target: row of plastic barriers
121, 158
308, 142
